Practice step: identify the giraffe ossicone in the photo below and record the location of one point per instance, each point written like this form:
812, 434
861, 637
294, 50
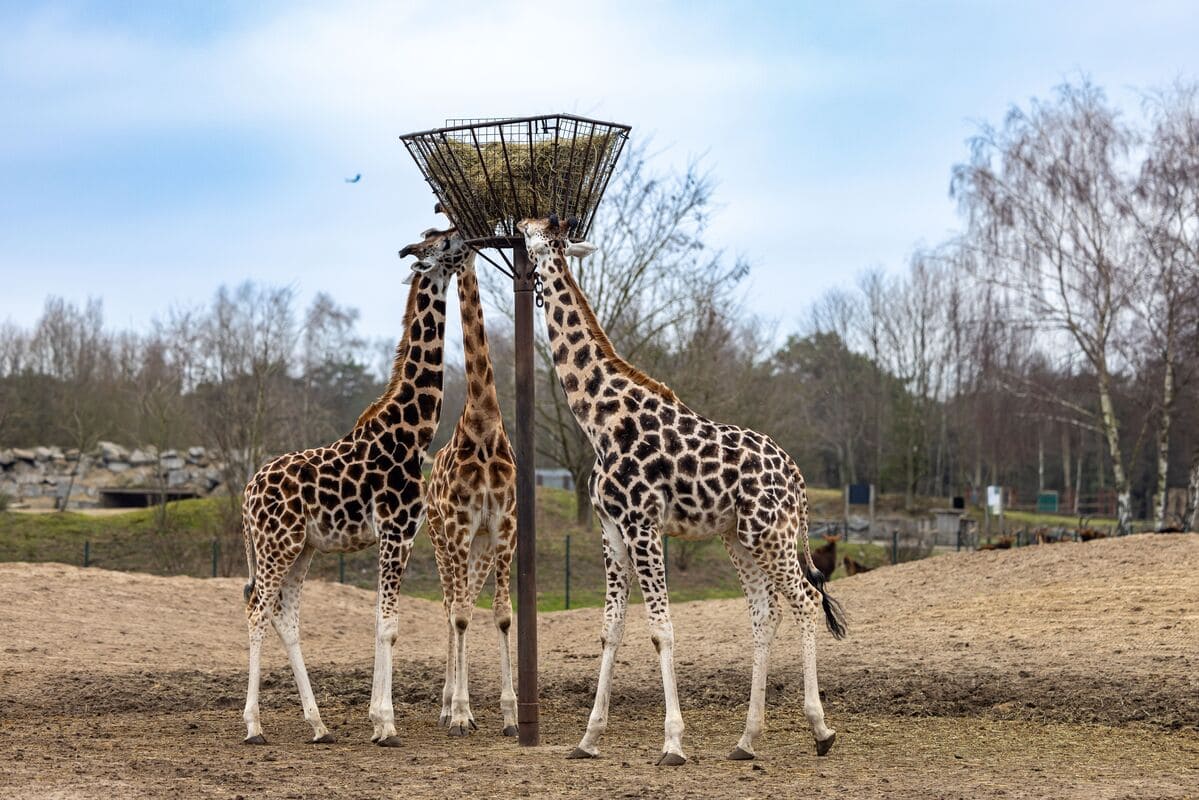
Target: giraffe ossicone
661, 469
363, 489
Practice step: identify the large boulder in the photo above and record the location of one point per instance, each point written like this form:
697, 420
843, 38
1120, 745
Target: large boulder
22, 454
110, 451
140, 458
7, 458
172, 462
42, 453
117, 466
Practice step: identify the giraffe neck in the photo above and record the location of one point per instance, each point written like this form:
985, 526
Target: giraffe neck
481, 400
413, 395
596, 380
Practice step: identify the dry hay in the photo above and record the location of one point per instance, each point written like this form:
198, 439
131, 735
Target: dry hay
507, 182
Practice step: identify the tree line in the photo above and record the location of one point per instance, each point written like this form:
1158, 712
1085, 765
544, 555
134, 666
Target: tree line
1051, 344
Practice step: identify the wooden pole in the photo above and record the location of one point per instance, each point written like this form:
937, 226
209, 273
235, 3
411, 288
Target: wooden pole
527, 707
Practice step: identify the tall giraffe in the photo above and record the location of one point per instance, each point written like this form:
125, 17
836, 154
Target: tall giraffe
663, 470
362, 489
471, 503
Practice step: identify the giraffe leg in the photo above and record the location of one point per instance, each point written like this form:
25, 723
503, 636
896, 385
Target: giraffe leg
501, 611
460, 547
287, 624
482, 556
258, 622
394, 549
447, 691
446, 577
765, 615
804, 600
650, 567
618, 568
259, 610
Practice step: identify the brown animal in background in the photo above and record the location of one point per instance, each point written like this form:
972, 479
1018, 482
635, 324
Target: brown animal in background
1003, 543
852, 567
1087, 534
825, 557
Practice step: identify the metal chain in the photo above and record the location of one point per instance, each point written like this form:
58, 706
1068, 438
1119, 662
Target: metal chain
538, 298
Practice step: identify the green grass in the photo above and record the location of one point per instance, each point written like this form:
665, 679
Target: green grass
133, 542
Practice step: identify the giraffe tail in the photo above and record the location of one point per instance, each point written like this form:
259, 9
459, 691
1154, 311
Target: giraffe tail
251, 562
834, 614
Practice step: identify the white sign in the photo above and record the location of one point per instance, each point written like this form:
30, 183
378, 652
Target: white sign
995, 499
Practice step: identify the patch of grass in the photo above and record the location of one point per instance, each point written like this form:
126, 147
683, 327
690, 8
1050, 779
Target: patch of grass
134, 542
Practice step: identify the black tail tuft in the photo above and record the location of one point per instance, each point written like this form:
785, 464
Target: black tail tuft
834, 615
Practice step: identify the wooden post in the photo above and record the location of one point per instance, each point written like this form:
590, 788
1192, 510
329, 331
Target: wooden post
527, 707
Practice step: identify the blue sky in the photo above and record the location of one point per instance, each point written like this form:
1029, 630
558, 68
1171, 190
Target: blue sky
152, 151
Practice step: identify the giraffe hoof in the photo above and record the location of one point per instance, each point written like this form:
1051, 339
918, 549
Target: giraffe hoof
822, 748
259, 739
579, 752
389, 741
460, 730
671, 760
444, 720
510, 730
324, 738
741, 755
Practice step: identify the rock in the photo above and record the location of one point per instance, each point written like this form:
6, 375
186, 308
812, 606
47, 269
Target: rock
169, 454
41, 453
56, 454
212, 478
23, 455
176, 477
140, 458
117, 466
171, 463
110, 451
72, 454
7, 458
197, 452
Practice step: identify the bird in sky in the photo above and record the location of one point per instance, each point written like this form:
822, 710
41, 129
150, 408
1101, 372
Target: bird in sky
354, 179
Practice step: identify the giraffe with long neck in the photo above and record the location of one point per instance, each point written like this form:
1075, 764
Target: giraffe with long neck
361, 490
471, 503
663, 470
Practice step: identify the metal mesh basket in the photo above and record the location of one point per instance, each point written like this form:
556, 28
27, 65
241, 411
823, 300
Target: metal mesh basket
491, 173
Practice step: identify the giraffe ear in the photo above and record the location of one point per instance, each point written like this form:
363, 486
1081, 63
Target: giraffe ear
580, 249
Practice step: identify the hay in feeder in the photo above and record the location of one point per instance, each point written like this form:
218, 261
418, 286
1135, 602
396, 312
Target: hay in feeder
498, 182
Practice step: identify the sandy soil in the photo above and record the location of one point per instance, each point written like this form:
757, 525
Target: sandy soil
1067, 670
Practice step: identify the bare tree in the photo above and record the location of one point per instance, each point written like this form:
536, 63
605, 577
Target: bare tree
71, 347
242, 398
1166, 213
1044, 200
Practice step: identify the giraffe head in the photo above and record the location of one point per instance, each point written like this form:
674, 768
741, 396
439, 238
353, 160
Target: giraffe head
545, 237
440, 255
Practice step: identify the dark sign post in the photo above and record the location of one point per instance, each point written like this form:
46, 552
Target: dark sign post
488, 175
859, 494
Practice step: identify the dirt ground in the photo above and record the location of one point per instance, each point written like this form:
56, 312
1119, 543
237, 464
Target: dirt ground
1068, 670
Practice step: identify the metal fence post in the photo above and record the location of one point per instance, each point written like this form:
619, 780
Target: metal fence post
894, 547
216, 552
567, 603
341, 567
87, 554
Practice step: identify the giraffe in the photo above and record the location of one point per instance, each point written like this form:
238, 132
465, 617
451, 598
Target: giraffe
471, 503
363, 489
663, 470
